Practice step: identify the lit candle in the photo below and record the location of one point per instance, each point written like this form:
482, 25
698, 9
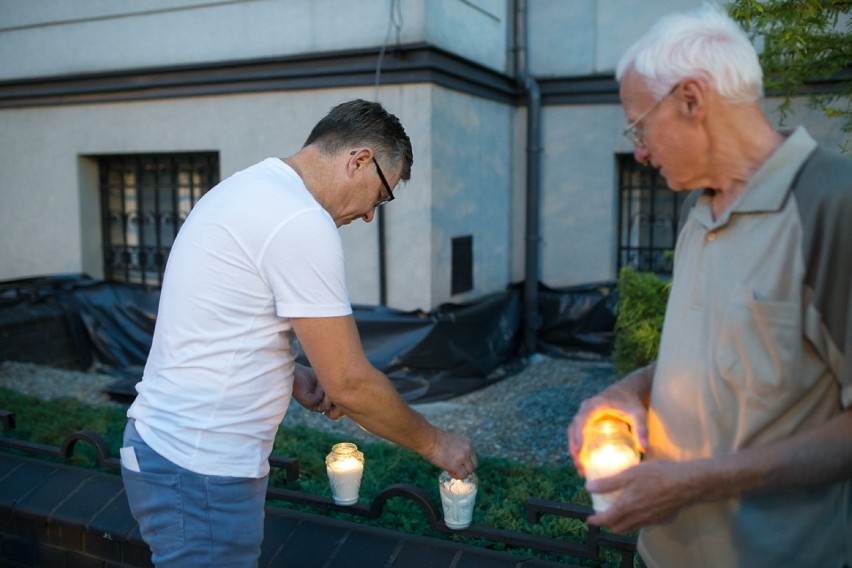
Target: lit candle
457, 498
608, 449
345, 466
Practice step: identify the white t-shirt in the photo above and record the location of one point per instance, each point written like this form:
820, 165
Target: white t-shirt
256, 250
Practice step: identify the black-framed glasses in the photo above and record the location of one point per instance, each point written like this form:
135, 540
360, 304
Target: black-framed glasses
385, 183
632, 132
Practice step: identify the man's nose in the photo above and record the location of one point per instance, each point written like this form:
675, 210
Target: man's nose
641, 153
368, 216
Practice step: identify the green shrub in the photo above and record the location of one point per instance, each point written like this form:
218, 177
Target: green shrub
642, 298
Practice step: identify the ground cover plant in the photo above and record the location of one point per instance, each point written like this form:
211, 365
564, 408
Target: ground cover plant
505, 485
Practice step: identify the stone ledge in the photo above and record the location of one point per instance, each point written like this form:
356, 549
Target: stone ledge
57, 515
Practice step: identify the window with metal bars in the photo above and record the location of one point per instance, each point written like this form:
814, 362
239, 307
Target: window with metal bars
145, 199
647, 218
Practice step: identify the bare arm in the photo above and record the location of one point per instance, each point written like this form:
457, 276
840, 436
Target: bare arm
366, 396
656, 490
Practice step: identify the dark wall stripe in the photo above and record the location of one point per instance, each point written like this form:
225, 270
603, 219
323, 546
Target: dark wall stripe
410, 64
415, 63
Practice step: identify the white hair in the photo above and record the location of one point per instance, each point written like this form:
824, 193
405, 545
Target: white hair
703, 43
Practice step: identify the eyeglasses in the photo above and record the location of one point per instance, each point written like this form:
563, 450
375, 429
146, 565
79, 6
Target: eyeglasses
632, 131
385, 183
380, 201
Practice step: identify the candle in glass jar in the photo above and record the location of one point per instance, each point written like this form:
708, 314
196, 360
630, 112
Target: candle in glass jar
609, 460
457, 499
345, 466
609, 449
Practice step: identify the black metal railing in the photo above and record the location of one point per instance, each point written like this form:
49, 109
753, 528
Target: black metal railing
591, 548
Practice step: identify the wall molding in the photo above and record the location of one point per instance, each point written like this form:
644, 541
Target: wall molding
408, 64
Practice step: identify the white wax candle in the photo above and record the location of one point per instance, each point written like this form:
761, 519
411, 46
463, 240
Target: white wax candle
460, 488
609, 460
457, 498
605, 461
344, 475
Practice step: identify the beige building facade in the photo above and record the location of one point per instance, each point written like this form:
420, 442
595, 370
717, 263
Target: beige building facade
86, 86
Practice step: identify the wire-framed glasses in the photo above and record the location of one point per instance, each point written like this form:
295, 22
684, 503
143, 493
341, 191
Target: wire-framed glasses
632, 131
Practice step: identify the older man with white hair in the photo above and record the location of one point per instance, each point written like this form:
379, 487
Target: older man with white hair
745, 416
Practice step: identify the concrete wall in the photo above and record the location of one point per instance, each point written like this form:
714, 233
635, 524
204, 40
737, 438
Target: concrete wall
470, 150
455, 189
471, 189
579, 207
54, 210
52, 202
61, 37
478, 30
587, 37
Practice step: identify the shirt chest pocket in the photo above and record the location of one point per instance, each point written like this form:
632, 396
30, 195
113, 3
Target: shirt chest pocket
759, 345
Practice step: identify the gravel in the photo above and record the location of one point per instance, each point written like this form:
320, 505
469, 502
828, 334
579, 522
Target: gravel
49, 382
521, 417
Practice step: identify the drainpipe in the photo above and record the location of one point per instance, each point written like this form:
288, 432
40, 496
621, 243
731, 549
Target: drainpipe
532, 319
383, 261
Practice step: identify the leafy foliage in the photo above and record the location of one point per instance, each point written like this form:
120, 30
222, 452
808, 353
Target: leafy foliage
804, 42
640, 310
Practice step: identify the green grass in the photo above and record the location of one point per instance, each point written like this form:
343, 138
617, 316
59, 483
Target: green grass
505, 485
49, 422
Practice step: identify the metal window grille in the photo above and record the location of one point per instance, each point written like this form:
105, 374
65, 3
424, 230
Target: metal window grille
144, 201
647, 218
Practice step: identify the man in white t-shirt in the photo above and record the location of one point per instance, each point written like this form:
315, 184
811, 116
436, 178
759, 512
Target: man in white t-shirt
257, 264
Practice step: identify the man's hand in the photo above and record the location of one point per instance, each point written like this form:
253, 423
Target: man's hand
453, 453
625, 400
308, 392
652, 492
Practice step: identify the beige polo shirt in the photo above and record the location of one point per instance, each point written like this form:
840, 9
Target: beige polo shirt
752, 352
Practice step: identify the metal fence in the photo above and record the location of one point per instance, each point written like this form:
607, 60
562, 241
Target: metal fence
591, 548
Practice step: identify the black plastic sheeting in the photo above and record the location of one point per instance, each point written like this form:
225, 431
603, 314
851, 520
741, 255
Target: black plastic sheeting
429, 356
444, 353
577, 319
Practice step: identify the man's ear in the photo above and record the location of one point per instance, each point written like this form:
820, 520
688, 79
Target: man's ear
358, 159
352, 165
693, 95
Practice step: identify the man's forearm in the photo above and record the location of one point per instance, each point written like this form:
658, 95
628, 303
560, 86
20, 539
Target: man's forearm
374, 404
359, 390
815, 457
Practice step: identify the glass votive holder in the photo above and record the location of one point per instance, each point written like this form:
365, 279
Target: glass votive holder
345, 466
608, 449
457, 498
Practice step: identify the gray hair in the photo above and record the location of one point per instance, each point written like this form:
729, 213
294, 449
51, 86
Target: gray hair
359, 122
703, 43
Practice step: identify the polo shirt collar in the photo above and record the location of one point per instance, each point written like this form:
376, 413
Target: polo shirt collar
768, 187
